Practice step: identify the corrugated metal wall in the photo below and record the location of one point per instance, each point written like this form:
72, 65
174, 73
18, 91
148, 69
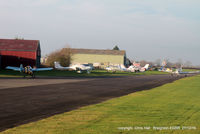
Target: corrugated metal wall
0, 60
97, 58
15, 58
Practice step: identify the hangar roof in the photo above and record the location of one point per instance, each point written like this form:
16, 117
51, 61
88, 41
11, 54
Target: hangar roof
18, 45
98, 51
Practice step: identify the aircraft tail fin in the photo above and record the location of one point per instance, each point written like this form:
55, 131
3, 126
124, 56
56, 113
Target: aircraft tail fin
181, 68
57, 65
146, 66
21, 67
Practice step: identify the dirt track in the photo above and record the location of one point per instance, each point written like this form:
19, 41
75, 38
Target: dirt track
21, 105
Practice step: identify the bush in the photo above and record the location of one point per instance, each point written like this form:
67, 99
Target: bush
62, 56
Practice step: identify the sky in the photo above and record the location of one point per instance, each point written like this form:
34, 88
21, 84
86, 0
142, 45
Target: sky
146, 29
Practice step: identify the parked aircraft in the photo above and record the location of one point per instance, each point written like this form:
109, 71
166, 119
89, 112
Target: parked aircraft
145, 68
180, 71
27, 70
169, 70
77, 67
129, 69
163, 69
115, 68
138, 68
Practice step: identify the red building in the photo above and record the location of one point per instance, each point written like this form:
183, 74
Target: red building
14, 52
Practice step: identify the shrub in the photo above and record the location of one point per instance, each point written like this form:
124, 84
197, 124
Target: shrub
62, 56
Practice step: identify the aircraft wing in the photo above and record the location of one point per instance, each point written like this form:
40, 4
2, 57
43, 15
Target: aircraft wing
41, 69
13, 68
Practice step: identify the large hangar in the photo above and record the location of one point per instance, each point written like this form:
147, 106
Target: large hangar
97, 56
18, 51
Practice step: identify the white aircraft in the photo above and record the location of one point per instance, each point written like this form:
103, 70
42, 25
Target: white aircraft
145, 68
129, 69
77, 67
27, 70
180, 71
115, 68
138, 69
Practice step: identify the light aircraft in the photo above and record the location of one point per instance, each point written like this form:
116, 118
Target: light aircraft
163, 69
145, 68
169, 70
180, 71
77, 67
27, 70
129, 69
115, 68
138, 69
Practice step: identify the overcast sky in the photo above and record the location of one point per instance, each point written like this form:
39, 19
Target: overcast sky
146, 29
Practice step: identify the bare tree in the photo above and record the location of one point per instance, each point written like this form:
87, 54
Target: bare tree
188, 64
157, 62
143, 63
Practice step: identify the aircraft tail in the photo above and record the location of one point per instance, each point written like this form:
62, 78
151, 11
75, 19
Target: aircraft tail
181, 68
21, 67
57, 65
146, 66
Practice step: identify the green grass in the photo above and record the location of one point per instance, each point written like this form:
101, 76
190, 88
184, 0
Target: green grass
10, 73
188, 70
94, 73
174, 104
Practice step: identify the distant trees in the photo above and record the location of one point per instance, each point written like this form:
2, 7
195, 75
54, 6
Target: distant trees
62, 56
144, 62
157, 62
116, 48
19, 38
188, 64
179, 63
167, 63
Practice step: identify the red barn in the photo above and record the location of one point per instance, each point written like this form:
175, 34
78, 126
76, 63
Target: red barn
14, 52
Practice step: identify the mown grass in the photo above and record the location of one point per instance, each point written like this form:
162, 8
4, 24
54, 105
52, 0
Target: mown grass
188, 70
174, 104
10, 73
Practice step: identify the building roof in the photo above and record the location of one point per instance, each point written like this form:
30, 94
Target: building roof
18, 45
98, 51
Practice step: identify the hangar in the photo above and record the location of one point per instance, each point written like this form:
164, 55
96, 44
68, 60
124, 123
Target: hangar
18, 51
97, 56
0, 60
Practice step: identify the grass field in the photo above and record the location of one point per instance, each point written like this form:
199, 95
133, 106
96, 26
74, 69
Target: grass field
188, 70
10, 73
173, 104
